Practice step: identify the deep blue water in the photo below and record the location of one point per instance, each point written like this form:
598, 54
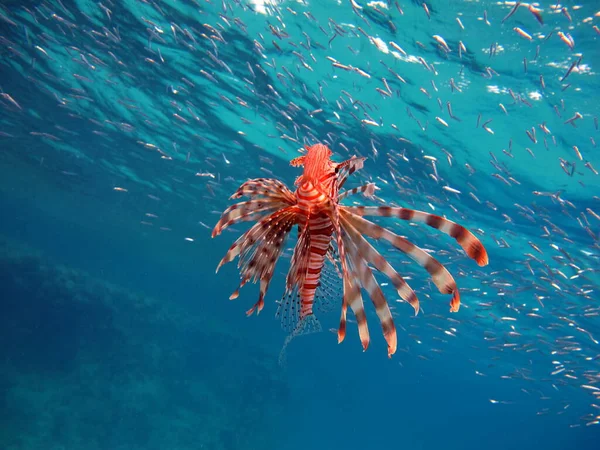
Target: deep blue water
124, 129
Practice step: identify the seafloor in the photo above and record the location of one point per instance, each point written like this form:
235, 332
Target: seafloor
88, 364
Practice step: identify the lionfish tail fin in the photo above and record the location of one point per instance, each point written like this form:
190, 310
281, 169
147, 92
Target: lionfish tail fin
307, 325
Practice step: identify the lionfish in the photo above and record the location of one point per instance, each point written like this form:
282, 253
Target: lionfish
329, 231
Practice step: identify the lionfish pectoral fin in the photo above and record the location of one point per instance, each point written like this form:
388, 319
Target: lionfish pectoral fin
260, 304
341, 334
354, 226
392, 342
356, 304
417, 308
347, 282
441, 277
477, 252
236, 293
455, 301
223, 261
245, 211
364, 275
467, 240
227, 258
364, 340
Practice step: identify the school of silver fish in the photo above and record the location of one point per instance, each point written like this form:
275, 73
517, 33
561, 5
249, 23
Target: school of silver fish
485, 113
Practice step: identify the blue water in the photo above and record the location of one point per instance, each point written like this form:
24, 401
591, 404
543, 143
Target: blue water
125, 127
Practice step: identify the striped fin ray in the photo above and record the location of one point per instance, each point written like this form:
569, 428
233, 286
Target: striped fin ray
372, 256
251, 236
255, 256
347, 168
265, 258
368, 190
440, 275
470, 244
258, 258
247, 239
266, 187
369, 284
245, 211
355, 301
335, 220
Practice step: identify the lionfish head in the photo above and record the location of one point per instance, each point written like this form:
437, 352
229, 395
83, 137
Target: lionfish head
317, 162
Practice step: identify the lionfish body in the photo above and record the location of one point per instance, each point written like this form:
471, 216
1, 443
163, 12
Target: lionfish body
314, 195
324, 226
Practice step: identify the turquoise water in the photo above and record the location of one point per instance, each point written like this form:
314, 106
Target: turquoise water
126, 126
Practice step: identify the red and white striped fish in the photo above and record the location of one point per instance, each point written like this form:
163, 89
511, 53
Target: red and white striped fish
325, 225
